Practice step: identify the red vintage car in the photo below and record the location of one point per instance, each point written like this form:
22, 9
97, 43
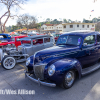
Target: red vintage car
13, 40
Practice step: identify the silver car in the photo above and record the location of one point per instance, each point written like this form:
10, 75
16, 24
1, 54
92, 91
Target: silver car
29, 45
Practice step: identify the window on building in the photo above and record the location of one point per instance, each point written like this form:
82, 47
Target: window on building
64, 26
77, 25
71, 26
92, 25
42, 28
87, 26
45, 27
82, 26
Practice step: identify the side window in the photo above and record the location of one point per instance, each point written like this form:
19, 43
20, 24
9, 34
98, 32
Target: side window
37, 41
90, 40
1, 37
46, 40
98, 38
4, 36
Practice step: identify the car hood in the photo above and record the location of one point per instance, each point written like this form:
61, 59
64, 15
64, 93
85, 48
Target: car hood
56, 50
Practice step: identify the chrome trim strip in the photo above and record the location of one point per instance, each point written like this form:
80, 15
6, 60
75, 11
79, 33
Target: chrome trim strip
90, 47
40, 82
41, 64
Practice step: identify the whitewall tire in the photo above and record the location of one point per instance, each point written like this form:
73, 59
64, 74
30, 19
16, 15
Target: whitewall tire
8, 62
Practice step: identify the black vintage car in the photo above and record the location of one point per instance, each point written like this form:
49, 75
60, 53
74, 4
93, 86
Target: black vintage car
75, 54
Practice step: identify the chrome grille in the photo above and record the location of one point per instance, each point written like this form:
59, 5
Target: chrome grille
39, 71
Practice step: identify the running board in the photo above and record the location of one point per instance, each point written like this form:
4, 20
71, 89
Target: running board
90, 69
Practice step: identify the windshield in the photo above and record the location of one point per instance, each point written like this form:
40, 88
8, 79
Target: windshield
26, 42
69, 40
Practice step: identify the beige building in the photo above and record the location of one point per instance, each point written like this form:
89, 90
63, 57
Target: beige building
66, 27
78, 26
51, 28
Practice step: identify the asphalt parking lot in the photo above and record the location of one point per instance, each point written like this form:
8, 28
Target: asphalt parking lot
87, 88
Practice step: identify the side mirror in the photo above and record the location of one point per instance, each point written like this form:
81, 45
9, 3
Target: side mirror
84, 44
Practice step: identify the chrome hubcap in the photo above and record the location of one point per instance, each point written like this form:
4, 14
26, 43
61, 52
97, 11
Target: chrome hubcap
69, 78
9, 63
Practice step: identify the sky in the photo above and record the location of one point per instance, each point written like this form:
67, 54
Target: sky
57, 9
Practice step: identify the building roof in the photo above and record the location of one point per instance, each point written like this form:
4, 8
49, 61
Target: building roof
51, 24
20, 30
32, 29
77, 23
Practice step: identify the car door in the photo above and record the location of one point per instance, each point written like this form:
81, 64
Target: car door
98, 46
88, 54
48, 42
38, 44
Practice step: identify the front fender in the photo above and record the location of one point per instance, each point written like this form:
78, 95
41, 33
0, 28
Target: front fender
63, 66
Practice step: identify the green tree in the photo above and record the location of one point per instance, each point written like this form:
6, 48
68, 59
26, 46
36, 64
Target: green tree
64, 20
48, 19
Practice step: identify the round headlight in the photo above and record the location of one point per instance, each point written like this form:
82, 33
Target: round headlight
51, 70
27, 61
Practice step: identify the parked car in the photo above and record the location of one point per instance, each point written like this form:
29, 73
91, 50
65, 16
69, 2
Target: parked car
29, 45
6, 39
72, 56
4, 36
56, 36
14, 34
11, 43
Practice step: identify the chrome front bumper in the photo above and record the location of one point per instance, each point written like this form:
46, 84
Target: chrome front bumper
40, 82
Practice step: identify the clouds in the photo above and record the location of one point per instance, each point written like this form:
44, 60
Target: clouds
70, 9
55, 9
